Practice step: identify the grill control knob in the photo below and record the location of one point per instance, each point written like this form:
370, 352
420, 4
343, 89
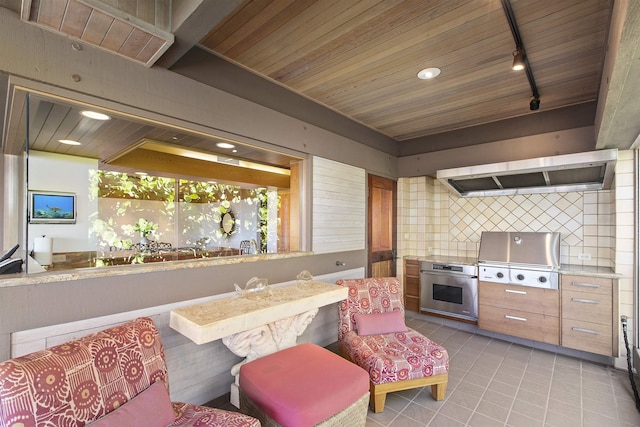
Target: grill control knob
520, 276
542, 279
499, 275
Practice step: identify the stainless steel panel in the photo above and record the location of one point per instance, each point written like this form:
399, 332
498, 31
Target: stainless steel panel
445, 268
525, 248
542, 278
450, 294
568, 172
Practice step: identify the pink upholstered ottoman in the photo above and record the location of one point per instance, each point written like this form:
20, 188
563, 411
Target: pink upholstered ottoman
303, 386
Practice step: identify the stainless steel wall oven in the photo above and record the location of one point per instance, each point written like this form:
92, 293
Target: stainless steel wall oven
449, 289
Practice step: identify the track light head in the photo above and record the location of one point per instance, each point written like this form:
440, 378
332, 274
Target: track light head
518, 60
534, 104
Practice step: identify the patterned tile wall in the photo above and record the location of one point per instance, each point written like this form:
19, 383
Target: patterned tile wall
435, 222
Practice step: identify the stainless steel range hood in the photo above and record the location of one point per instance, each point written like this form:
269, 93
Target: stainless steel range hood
569, 172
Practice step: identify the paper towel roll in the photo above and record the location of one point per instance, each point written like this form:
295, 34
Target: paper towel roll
43, 250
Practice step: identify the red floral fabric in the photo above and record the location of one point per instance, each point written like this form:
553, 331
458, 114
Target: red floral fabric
73, 384
188, 415
388, 357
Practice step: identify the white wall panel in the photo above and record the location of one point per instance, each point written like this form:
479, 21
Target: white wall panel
339, 207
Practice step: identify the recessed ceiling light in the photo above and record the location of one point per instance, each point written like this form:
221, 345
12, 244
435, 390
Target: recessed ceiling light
225, 145
428, 73
95, 115
69, 142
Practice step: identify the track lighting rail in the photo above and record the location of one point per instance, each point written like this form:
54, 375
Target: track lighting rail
508, 11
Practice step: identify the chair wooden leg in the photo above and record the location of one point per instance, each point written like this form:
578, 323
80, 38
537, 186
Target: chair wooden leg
376, 399
438, 391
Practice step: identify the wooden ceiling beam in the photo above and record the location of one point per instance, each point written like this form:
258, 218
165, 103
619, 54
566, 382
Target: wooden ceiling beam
157, 162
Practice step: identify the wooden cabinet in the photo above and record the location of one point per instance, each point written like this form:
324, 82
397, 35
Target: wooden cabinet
589, 310
526, 312
412, 285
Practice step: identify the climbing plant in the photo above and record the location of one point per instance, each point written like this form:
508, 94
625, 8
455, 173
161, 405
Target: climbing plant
187, 194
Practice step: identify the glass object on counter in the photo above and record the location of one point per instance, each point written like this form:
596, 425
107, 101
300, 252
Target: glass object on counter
304, 279
257, 288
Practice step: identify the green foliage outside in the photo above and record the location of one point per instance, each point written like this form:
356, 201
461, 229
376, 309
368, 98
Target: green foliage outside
168, 191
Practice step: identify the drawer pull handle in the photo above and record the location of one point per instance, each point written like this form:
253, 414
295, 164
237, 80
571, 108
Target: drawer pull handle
511, 291
521, 319
586, 331
585, 285
586, 301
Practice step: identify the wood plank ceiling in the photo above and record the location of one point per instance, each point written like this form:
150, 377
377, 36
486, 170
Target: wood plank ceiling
360, 58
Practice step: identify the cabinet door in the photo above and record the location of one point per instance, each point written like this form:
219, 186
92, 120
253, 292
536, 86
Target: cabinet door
589, 307
587, 336
533, 326
412, 285
596, 285
523, 298
588, 314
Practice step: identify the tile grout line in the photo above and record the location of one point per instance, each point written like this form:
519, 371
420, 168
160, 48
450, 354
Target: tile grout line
506, 422
581, 397
546, 408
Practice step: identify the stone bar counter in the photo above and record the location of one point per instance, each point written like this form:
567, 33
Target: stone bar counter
71, 274
257, 324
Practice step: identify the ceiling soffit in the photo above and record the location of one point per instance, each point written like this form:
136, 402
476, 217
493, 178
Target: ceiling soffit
101, 25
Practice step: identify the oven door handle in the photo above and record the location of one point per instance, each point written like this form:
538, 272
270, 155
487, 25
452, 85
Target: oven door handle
447, 274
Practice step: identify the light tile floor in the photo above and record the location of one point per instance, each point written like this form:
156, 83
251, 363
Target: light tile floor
498, 383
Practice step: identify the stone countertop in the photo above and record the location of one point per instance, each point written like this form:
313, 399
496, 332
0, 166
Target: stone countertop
19, 279
213, 320
578, 270
584, 270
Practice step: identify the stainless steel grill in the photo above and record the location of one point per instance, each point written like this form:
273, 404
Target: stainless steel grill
520, 258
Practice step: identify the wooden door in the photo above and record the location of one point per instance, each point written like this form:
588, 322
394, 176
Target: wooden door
381, 234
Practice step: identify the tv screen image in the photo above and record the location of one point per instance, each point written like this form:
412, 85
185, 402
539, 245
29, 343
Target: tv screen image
52, 207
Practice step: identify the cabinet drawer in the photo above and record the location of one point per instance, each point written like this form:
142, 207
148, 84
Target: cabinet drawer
537, 327
597, 285
588, 307
523, 298
587, 336
411, 303
412, 286
411, 269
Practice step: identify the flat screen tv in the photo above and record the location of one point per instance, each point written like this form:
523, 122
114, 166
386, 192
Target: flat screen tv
49, 207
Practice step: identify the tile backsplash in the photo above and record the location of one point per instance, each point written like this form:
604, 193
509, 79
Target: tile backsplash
432, 221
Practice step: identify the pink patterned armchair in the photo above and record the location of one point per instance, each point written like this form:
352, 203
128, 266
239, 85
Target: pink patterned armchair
372, 333
116, 377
